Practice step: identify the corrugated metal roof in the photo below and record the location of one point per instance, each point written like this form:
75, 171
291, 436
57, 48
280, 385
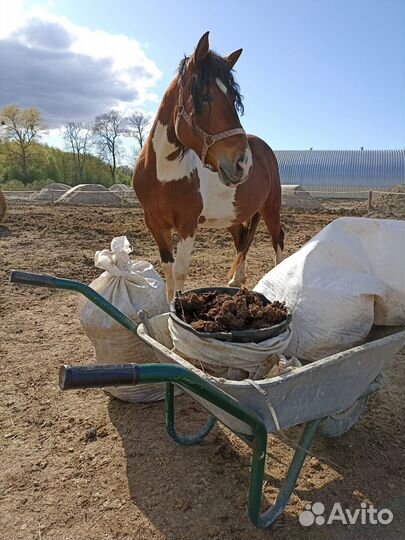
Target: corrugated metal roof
362, 168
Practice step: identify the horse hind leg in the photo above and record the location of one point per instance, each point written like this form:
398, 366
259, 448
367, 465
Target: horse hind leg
237, 273
242, 235
273, 224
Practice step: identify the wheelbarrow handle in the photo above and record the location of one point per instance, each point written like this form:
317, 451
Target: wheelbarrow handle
28, 278
44, 280
97, 376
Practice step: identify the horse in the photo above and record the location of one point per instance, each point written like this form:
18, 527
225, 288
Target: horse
199, 168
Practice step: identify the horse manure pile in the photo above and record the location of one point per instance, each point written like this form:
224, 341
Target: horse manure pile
222, 312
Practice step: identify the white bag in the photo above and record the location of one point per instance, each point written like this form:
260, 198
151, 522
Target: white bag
347, 277
234, 361
130, 286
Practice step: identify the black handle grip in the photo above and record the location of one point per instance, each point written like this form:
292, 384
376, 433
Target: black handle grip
28, 278
96, 376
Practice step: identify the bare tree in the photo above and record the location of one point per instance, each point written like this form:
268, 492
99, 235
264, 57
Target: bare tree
21, 127
77, 136
139, 125
107, 128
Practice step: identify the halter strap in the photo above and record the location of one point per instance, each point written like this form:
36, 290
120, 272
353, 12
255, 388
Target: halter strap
208, 139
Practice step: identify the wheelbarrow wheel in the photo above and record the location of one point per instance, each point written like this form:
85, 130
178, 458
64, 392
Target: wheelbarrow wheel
338, 423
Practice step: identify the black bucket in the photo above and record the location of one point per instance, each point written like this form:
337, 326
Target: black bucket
250, 335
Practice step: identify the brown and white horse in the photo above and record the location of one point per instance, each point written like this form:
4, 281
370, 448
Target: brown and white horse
198, 168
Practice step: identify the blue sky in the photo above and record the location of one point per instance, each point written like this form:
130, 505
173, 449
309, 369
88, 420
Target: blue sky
323, 74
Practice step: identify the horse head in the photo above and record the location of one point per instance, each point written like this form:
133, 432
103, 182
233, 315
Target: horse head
206, 115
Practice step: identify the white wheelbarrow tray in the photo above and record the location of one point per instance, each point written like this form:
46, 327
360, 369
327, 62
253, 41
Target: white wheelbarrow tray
336, 386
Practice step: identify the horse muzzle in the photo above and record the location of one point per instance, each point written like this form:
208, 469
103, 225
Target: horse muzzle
235, 173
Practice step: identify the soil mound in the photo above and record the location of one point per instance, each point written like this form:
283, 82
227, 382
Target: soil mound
295, 196
51, 192
389, 205
90, 194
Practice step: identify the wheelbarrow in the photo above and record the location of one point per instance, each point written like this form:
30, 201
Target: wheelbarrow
327, 395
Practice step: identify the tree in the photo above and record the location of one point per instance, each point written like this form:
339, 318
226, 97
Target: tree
22, 128
107, 129
77, 136
139, 125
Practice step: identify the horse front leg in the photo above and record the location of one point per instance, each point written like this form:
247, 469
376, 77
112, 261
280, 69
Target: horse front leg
163, 238
182, 262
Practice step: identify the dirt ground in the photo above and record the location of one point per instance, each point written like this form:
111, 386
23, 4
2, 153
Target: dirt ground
81, 465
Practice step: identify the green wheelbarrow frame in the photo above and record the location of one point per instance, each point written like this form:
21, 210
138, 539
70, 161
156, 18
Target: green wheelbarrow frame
92, 376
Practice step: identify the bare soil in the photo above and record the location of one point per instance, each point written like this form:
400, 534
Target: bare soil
81, 465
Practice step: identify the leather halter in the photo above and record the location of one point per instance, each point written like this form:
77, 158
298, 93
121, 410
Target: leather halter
208, 139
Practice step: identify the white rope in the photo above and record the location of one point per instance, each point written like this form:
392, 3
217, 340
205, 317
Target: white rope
263, 392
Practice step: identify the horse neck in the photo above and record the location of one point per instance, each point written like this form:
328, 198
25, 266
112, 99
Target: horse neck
165, 123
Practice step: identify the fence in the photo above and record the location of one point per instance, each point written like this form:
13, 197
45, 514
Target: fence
348, 192
127, 198
342, 173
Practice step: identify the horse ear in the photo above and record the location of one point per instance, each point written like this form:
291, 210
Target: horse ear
202, 49
233, 57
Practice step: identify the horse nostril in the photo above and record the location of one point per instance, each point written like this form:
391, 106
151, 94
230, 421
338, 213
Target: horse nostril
240, 165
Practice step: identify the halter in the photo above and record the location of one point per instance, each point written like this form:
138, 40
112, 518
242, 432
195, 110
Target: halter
208, 139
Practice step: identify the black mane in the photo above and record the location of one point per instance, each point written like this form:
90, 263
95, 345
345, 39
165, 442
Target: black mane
213, 67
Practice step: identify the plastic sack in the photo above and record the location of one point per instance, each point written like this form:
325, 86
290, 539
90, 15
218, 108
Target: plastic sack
345, 279
234, 361
130, 286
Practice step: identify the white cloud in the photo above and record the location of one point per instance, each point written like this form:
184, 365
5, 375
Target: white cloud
68, 71
11, 16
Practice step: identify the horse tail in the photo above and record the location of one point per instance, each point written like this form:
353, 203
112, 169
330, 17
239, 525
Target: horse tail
245, 239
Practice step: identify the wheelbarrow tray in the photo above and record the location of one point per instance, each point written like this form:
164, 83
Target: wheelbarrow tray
313, 391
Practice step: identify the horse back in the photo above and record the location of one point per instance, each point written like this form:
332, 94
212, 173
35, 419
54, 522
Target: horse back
264, 159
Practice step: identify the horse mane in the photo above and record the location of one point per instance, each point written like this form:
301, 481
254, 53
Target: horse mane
212, 67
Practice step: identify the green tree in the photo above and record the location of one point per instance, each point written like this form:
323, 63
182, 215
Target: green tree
77, 138
139, 126
21, 127
107, 129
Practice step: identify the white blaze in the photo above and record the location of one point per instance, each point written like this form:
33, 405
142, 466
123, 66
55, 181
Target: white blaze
221, 85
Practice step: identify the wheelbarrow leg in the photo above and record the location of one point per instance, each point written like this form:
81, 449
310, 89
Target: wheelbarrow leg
182, 439
256, 479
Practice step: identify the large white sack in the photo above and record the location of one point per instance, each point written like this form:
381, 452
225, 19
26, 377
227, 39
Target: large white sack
234, 361
347, 277
130, 286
